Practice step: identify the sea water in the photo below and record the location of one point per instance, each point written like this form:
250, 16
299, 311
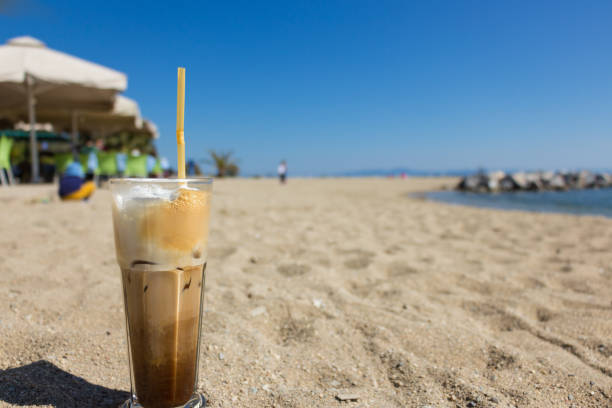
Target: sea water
580, 202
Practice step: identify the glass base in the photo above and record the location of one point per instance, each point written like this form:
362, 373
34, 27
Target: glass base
197, 401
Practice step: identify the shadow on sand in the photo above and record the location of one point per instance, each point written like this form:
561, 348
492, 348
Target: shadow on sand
42, 383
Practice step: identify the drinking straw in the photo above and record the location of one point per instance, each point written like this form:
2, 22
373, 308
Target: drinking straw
180, 122
180, 148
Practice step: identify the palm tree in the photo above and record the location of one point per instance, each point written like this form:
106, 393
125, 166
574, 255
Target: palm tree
224, 162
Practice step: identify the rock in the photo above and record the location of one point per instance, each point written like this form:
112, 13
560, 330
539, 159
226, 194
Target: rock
221, 356
571, 180
539, 181
475, 183
494, 180
347, 397
601, 181
521, 180
557, 182
546, 177
586, 179
507, 183
606, 180
534, 182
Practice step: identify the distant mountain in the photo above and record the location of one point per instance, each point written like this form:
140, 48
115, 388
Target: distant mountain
402, 170
439, 173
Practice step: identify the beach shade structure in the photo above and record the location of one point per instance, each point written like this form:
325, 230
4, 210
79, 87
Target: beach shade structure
139, 141
34, 77
5, 160
41, 135
125, 114
150, 128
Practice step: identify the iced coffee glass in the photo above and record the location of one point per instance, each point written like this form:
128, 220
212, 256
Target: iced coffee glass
161, 233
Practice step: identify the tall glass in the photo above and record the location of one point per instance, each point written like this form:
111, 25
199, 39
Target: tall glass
161, 234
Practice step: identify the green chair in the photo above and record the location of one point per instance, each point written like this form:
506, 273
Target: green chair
136, 166
6, 145
62, 160
107, 163
157, 170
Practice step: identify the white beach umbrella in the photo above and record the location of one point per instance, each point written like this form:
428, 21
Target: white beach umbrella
125, 107
125, 114
33, 76
151, 128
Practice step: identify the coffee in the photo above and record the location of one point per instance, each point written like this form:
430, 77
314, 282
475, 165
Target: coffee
163, 315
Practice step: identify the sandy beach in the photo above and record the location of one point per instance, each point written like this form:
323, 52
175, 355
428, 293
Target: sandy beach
320, 291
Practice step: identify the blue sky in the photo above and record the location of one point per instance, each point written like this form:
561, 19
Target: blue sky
333, 86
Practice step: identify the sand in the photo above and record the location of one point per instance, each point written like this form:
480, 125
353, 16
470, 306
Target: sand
320, 290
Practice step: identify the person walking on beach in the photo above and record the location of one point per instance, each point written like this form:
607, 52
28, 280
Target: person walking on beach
282, 172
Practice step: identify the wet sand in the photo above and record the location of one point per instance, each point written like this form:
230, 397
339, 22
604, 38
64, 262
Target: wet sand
320, 290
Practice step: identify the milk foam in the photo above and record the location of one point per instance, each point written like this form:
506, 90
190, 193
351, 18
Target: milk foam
148, 217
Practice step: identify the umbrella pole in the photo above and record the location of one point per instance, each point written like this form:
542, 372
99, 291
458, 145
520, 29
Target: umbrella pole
32, 117
75, 134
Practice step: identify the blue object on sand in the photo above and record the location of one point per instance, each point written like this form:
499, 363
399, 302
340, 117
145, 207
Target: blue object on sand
74, 169
69, 185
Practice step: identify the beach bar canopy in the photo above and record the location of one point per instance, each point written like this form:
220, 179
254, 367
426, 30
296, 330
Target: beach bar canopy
125, 114
34, 77
150, 128
40, 135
